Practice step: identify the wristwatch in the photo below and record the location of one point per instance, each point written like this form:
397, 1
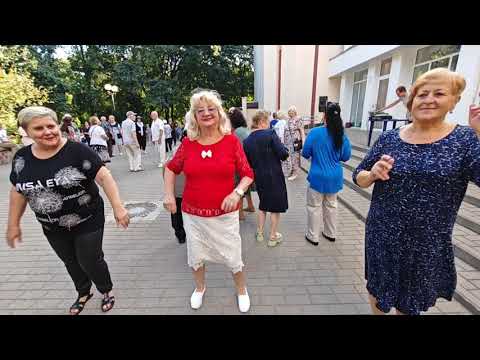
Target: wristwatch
239, 192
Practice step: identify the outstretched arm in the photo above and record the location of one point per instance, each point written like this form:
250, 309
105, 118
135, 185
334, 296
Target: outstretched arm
389, 106
16, 209
105, 179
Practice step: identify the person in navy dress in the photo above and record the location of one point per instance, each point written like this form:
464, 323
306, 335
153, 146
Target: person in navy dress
420, 174
265, 152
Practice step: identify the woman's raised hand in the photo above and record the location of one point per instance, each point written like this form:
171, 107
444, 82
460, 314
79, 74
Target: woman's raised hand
381, 168
474, 118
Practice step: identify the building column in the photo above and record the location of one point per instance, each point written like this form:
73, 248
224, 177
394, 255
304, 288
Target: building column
279, 84
314, 85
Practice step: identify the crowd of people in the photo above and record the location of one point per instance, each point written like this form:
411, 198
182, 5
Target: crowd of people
419, 172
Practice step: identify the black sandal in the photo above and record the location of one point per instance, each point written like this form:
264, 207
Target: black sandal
108, 300
79, 305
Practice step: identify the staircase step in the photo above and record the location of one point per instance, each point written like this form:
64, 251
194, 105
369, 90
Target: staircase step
470, 205
466, 243
466, 238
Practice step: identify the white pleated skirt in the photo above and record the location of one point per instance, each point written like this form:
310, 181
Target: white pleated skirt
214, 239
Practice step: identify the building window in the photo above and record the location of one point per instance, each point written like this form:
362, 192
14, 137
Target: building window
385, 67
358, 97
383, 82
435, 56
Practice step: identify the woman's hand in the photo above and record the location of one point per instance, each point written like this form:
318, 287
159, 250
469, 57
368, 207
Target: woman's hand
230, 202
474, 118
14, 235
170, 204
381, 168
121, 216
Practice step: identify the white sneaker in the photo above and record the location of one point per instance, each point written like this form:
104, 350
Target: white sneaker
243, 302
160, 165
293, 177
196, 299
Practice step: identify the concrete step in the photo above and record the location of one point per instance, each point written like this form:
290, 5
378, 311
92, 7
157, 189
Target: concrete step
466, 236
469, 213
472, 195
467, 255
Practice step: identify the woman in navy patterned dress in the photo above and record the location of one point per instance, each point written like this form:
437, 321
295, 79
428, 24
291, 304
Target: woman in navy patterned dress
421, 172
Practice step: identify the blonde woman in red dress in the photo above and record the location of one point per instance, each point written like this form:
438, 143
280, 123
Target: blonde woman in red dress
209, 157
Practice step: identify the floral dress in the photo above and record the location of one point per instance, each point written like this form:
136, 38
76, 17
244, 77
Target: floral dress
292, 133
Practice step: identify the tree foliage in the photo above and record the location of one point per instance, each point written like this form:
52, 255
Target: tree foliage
150, 77
17, 86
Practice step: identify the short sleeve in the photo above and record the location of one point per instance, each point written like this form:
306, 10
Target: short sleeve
90, 162
372, 156
18, 164
241, 163
472, 158
176, 164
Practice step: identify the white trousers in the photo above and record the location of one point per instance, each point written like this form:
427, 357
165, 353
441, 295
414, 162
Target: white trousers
134, 156
160, 147
321, 208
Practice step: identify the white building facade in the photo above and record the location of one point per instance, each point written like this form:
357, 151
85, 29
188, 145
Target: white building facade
369, 74
297, 75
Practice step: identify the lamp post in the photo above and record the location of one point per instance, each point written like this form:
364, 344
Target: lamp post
111, 90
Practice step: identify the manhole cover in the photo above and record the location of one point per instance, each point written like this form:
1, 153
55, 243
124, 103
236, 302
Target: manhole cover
139, 211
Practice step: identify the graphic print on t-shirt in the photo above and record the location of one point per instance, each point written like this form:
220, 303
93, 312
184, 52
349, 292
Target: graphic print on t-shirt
69, 177
86, 165
19, 165
44, 201
71, 220
61, 191
84, 199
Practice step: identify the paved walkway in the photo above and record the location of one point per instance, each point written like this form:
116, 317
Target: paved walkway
149, 267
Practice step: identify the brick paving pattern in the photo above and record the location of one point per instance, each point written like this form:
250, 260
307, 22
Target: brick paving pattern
149, 268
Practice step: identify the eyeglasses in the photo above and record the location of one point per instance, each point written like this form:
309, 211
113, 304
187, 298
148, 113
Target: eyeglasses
203, 111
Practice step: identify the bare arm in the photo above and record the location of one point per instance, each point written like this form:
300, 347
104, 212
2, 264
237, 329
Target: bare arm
16, 209
245, 183
107, 182
365, 179
379, 171
230, 202
169, 189
389, 106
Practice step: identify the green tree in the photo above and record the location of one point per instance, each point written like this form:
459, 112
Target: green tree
17, 87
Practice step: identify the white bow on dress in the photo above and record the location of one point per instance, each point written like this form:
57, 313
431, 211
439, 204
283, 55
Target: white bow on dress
206, 153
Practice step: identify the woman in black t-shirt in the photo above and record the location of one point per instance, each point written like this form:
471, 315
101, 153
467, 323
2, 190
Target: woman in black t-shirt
57, 176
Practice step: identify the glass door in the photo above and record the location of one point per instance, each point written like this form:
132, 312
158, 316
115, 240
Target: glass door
358, 97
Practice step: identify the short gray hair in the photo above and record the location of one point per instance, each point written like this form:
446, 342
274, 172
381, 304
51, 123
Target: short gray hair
29, 113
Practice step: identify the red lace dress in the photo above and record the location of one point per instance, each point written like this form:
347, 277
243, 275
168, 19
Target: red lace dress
212, 235
209, 179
